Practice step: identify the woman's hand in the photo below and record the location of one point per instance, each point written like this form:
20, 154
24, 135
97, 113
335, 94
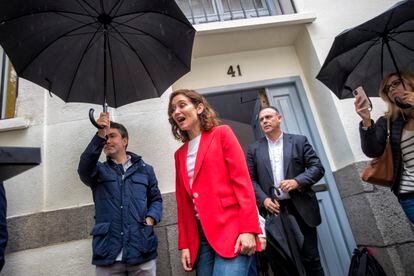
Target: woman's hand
408, 97
246, 244
185, 259
362, 111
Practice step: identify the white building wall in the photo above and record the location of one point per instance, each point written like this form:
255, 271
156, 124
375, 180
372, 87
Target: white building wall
62, 131
333, 17
25, 192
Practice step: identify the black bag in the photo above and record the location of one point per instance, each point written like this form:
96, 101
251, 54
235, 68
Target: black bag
364, 264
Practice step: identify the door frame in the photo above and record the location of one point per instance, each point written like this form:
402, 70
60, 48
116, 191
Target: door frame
303, 99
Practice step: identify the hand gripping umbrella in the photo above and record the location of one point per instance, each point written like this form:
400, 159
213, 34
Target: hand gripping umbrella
364, 55
110, 52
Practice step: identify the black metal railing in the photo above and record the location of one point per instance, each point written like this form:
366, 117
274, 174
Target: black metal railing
204, 11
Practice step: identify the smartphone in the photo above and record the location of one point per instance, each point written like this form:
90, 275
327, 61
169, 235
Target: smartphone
359, 93
401, 104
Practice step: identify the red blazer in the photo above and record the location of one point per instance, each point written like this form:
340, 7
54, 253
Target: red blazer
222, 192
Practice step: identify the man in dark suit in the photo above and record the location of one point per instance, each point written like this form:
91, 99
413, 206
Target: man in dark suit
286, 165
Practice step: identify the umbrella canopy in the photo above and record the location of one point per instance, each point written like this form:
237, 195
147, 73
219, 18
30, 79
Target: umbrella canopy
364, 55
95, 51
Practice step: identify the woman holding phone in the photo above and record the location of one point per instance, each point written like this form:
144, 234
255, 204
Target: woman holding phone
217, 217
397, 90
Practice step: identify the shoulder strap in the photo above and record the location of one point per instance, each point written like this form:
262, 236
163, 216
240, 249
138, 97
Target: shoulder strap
388, 128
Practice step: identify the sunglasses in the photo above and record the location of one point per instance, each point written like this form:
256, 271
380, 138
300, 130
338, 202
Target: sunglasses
393, 84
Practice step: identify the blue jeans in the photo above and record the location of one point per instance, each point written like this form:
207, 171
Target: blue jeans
253, 267
209, 263
407, 203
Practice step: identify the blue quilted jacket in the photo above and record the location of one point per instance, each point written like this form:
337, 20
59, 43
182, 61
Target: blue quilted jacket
122, 202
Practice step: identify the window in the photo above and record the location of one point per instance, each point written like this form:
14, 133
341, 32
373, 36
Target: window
203, 11
239, 5
8, 87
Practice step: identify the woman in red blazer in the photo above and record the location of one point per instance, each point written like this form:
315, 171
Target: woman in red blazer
217, 216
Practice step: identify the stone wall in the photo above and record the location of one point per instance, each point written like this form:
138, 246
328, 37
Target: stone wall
58, 242
377, 220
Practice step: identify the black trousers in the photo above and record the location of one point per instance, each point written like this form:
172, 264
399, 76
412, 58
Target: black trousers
309, 252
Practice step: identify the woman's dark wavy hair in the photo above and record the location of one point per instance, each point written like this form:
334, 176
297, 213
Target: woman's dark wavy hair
208, 118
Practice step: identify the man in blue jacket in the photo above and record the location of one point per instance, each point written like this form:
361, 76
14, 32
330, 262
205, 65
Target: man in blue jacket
127, 200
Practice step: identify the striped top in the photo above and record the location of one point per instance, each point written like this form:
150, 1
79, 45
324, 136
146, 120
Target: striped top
407, 151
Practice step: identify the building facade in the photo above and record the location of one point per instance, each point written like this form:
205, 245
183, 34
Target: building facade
246, 53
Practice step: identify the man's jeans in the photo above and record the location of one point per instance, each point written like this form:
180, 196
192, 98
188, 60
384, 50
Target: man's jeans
210, 264
407, 203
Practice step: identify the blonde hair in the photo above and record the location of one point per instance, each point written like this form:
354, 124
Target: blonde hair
208, 118
393, 110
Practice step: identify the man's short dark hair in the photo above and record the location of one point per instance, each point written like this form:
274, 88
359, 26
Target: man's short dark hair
122, 130
271, 107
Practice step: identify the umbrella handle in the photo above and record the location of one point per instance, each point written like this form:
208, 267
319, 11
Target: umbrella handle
92, 119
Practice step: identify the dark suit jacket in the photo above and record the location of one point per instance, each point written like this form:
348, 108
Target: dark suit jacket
300, 163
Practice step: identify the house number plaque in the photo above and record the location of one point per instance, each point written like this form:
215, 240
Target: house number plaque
234, 71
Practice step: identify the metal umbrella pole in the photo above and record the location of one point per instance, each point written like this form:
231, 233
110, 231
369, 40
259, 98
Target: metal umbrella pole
105, 104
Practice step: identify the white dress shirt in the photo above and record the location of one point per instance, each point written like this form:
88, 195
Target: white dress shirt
276, 161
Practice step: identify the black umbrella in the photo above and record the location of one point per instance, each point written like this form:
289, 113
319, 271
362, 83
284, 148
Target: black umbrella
284, 234
364, 55
110, 52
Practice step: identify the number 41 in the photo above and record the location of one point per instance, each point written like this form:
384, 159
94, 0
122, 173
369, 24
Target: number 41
232, 73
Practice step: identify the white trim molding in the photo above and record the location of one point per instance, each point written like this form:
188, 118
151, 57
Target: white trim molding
13, 124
